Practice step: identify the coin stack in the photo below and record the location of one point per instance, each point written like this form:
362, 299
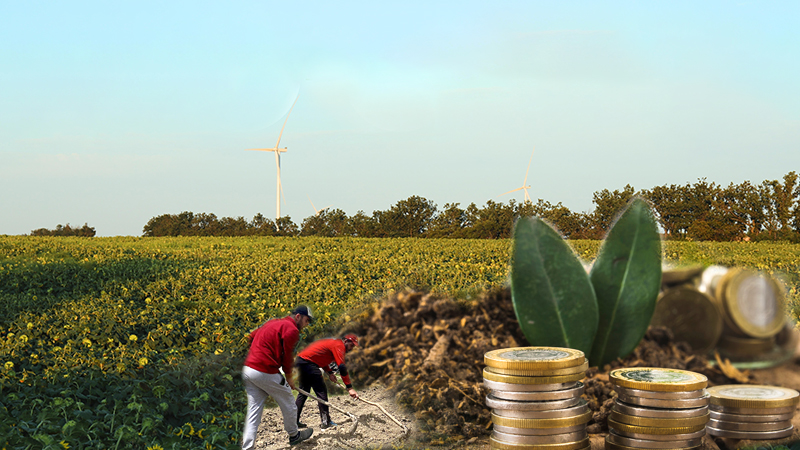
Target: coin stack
752, 412
657, 408
535, 396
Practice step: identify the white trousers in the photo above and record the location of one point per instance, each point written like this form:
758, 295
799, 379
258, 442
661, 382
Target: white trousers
259, 385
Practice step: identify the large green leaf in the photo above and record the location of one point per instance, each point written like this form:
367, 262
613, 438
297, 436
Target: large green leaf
626, 277
553, 297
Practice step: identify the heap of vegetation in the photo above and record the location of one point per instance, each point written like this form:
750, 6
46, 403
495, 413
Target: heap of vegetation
61, 230
698, 212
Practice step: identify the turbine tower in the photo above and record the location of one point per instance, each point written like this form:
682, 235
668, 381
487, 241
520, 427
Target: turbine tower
278, 152
524, 187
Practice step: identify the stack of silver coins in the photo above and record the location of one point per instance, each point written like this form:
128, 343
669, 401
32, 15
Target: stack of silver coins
657, 408
535, 396
752, 412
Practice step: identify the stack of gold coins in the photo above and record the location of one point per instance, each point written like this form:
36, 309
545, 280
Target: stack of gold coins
752, 412
657, 409
535, 396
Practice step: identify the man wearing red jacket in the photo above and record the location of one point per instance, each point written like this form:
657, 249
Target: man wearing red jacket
272, 348
327, 354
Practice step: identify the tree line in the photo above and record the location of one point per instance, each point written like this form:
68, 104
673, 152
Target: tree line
699, 211
62, 230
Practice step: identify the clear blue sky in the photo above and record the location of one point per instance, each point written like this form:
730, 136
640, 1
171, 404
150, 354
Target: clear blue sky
113, 113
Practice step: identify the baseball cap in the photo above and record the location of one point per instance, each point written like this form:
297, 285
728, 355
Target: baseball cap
352, 338
305, 311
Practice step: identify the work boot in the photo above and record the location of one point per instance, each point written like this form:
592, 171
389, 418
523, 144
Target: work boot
301, 436
329, 424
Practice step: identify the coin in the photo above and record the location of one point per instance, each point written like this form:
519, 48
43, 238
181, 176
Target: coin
509, 392
542, 423
753, 411
662, 437
542, 373
551, 414
514, 379
691, 316
553, 391
583, 444
669, 404
660, 395
754, 435
658, 413
613, 446
534, 358
563, 438
658, 421
750, 426
753, 301
743, 347
539, 431
750, 417
680, 276
617, 439
658, 379
498, 403
753, 396
652, 430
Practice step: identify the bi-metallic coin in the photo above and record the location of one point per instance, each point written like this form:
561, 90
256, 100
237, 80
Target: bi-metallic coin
659, 421
510, 392
753, 396
667, 404
753, 435
488, 374
750, 426
551, 414
564, 438
725, 417
620, 440
660, 395
534, 358
658, 379
637, 411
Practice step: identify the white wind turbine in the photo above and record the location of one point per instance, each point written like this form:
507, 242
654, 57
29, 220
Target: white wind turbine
278, 152
316, 211
524, 187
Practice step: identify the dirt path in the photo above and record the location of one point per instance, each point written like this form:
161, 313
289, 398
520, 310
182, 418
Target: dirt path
374, 428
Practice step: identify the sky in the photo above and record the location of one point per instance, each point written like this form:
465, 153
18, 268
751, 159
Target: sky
112, 113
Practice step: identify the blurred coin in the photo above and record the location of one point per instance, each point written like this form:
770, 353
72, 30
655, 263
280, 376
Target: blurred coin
753, 411
662, 437
510, 392
658, 379
565, 438
668, 404
753, 301
753, 435
534, 358
753, 396
554, 391
498, 403
488, 374
542, 372
750, 417
681, 276
630, 410
542, 423
551, 414
691, 315
619, 426
659, 421
583, 444
660, 395
617, 439
613, 446
539, 431
743, 347
750, 426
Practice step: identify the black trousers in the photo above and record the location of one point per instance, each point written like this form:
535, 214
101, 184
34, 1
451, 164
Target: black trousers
311, 378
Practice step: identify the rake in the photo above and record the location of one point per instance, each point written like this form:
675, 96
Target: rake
352, 416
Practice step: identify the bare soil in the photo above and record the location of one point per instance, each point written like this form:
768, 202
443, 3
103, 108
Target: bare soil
421, 357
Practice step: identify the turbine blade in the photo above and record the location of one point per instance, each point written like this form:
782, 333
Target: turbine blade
513, 190
312, 204
260, 149
529, 167
287, 119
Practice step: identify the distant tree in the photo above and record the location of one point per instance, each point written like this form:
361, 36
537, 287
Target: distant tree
66, 230
261, 226
449, 223
329, 223
493, 221
607, 205
285, 227
408, 218
363, 225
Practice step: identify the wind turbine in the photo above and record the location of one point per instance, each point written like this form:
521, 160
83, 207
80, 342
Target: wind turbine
524, 186
278, 152
316, 211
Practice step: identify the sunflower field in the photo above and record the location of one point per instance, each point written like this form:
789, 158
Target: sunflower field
137, 343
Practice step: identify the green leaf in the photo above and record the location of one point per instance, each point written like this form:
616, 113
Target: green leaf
626, 277
553, 297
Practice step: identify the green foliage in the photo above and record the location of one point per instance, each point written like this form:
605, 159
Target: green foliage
553, 298
626, 277
66, 230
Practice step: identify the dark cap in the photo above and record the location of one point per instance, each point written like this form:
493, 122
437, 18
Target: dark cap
305, 311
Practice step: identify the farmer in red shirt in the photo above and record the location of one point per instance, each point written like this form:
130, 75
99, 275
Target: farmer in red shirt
327, 354
272, 348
